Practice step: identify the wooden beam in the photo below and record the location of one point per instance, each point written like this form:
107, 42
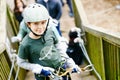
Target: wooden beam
2, 25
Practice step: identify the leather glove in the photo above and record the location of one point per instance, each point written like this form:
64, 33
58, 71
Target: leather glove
76, 69
64, 66
37, 69
15, 39
45, 72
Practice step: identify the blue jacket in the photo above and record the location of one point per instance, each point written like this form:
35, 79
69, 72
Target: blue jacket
54, 7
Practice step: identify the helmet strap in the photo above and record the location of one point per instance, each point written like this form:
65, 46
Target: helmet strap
44, 31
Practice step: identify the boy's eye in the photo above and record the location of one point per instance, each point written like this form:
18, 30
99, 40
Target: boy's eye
43, 22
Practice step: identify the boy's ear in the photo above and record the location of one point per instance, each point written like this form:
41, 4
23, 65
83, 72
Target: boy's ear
28, 24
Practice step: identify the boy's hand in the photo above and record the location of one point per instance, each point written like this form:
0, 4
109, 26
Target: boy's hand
74, 70
46, 72
37, 69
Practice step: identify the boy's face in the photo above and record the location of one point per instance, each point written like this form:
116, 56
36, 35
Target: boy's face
38, 27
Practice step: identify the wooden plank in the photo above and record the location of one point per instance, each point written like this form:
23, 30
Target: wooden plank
100, 32
5, 69
2, 25
79, 10
2, 47
111, 58
5, 66
1, 74
95, 52
2, 68
12, 20
1, 77
118, 63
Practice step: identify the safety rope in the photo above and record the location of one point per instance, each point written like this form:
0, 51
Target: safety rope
13, 60
88, 59
18, 69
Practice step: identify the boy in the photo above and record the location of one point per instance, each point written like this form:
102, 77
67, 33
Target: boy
41, 51
74, 50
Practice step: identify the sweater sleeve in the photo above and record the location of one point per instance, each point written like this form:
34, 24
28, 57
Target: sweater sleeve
22, 30
36, 68
22, 61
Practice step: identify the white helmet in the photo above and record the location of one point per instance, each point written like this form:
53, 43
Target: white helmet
35, 12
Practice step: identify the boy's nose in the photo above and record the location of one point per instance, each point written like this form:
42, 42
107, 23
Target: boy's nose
40, 26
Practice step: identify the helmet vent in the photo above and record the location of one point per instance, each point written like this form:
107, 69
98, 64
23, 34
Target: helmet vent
33, 6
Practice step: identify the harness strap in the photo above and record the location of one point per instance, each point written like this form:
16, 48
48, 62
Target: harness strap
88, 59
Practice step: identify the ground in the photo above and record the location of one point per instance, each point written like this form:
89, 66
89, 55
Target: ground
103, 13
